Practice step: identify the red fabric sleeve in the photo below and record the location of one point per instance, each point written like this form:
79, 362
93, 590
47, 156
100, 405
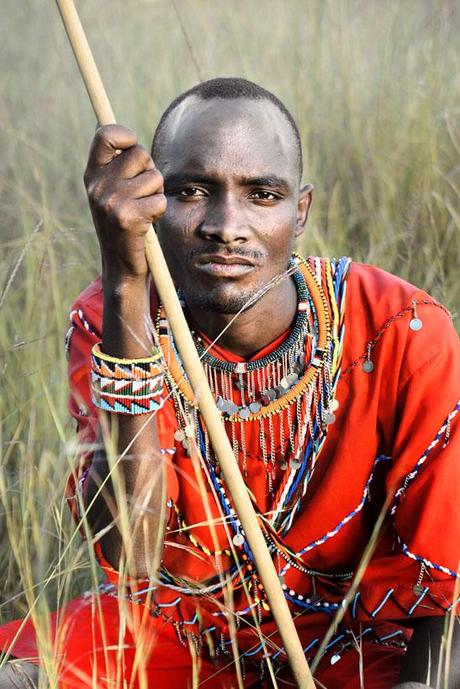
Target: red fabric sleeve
420, 576
427, 508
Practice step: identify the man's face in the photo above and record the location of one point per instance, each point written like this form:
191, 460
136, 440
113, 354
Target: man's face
232, 184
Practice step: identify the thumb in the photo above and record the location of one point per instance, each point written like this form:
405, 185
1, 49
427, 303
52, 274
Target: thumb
108, 142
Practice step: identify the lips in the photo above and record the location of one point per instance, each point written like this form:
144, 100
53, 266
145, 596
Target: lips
221, 265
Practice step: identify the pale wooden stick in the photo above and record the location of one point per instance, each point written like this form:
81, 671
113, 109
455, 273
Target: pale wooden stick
196, 375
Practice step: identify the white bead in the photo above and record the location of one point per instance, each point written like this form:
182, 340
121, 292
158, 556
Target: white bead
238, 539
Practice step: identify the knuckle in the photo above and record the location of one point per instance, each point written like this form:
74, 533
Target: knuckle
94, 188
161, 204
158, 178
156, 208
119, 213
112, 207
125, 220
143, 155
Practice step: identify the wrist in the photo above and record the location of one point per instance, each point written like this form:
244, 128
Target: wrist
120, 284
127, 326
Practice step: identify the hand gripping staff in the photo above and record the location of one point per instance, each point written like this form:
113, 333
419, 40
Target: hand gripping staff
195, 372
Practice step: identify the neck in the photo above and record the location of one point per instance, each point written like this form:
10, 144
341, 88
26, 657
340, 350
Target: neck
255, 328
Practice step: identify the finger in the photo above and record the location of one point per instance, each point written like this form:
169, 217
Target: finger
152, 207
146, 184
131, 162
108, 142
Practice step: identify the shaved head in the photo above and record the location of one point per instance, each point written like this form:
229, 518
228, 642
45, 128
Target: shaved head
222, 89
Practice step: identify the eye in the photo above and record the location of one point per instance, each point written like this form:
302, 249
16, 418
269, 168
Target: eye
189, 192
264, 195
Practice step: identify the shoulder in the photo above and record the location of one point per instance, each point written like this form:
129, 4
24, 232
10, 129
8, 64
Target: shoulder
377, 291
378, 296
379, 319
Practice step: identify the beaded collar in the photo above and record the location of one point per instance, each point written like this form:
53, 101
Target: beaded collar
297, 332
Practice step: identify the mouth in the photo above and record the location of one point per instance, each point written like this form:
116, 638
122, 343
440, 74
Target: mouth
220, 265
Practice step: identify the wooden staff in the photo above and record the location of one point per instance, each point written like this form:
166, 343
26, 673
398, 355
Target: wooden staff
196, 375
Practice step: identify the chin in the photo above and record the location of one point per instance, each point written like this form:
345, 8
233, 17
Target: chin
217, 302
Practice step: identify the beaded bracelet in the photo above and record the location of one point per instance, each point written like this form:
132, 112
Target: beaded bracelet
126, 386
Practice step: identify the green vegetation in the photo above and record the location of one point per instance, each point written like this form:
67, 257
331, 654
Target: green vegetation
374, 87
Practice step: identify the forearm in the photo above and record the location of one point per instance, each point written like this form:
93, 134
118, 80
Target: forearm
132, 500
426, 655
125, 194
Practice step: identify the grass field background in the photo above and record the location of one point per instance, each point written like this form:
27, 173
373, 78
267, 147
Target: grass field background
374, 87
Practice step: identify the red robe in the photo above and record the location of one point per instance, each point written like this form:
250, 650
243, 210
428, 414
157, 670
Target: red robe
395, 430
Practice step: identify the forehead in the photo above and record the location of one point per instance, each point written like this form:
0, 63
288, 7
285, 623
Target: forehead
228, 136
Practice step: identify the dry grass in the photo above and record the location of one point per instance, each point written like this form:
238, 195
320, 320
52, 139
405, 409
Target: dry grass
374, 86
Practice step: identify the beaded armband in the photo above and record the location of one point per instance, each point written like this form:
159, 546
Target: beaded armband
126, 386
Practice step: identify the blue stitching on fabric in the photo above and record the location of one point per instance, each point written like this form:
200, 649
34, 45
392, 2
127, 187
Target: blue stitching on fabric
259, 648
390, 636
194, 620
380, 606
355, 603
310, 645
334, 641
419, 599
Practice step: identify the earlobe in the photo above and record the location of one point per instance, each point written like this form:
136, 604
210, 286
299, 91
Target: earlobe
303, 207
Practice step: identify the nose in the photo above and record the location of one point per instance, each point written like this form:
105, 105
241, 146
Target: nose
224, 221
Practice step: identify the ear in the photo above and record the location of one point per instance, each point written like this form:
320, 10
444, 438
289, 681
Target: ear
303, 208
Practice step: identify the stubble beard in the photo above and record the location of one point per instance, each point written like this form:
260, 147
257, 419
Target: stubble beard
217, 301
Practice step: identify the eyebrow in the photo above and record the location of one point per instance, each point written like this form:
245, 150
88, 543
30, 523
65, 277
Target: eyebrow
271, 181
177, 178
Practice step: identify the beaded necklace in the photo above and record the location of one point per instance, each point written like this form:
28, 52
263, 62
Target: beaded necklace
278, 385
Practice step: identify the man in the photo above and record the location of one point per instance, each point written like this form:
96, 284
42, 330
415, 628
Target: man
336, 383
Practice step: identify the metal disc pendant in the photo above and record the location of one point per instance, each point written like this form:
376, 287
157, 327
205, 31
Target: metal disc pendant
230, 408
296, 464
329, 417
368, 366
292, 378
179, 435
244, 413
238, 539
334, 405
415, 324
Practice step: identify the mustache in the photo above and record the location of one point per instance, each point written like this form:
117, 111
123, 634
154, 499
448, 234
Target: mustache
216, 248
